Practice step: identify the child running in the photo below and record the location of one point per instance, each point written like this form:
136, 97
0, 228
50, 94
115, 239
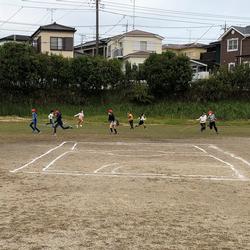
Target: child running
203, 120
51, 118
211, 119
112, 122
142, 120
80, 118
131, 120
59, 122
34, 121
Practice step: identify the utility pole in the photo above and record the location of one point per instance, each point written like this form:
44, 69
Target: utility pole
133, 14
127, 26
97, 27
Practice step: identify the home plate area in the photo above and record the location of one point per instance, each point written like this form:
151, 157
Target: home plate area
139, 160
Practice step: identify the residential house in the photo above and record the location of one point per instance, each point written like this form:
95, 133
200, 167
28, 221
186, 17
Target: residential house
15, 38
134, 46
212, 56
235, 46
54, 39
191, 50
89, 48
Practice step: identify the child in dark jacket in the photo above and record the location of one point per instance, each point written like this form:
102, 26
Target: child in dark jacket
59, 122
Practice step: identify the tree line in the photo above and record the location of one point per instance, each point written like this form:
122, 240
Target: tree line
26, 75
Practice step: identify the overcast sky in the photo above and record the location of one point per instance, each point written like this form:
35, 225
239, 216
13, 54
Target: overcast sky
181, 21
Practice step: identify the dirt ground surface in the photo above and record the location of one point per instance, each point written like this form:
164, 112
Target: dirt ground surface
105, 192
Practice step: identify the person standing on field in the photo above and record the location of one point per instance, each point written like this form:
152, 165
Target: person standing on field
80, 118
33, 123
211, 120
59, 122
112, 121
131, 120
203, 120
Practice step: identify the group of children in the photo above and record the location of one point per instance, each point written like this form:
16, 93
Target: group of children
55, 120
211, 121
113, 122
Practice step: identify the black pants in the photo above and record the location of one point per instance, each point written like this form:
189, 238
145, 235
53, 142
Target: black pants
34, 128
203, 126
131, 123
50, 123
61, 125
213, 125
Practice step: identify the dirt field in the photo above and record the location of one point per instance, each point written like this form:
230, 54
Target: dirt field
105, 192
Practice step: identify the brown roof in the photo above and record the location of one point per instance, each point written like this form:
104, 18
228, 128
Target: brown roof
136, 33
140, 54
54, 27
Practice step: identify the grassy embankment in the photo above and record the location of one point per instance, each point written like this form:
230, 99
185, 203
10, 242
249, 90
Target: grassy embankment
159, 113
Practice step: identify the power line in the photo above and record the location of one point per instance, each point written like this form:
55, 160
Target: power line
114, 25
14, 14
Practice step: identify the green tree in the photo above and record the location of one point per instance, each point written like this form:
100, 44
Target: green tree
167, 74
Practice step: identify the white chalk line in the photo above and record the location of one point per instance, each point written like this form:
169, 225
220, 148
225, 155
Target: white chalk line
37, 158
230, 154
140, 143
105, 166
115, 169
120, 175
58, 157
236, 172
162, 153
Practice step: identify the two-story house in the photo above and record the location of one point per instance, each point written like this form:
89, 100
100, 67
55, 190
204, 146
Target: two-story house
235, 46
54, 39
134, 46
212, 56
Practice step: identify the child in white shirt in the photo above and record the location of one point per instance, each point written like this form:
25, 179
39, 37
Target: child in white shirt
203, 120
80, 118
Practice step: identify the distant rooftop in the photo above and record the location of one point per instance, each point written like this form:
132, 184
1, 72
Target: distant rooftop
18, 38
133, 33
54, 27
183, 46
243, 30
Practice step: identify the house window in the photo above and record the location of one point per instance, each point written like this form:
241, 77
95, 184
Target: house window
232, 44
143, 45
56, 43
231, 66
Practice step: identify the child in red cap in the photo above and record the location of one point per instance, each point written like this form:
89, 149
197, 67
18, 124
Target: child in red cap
211, 119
